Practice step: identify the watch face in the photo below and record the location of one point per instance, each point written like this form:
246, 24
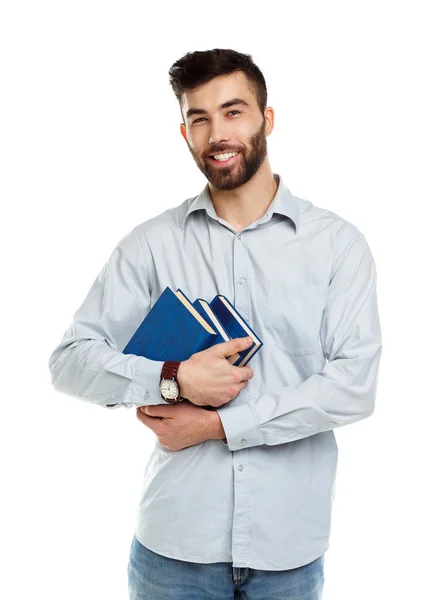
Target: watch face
169, 388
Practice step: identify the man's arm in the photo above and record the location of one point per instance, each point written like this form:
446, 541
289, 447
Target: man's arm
344, 391
89, 363
215, 428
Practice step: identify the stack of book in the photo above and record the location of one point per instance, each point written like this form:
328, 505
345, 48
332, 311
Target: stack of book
176, 328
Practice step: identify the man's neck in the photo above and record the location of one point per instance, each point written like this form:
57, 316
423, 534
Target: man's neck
248, 203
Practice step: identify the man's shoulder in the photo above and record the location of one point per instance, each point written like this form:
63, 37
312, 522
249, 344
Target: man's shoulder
156, 227
170, 218
328, 222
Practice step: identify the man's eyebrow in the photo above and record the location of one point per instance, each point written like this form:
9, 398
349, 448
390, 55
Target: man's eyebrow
201, 111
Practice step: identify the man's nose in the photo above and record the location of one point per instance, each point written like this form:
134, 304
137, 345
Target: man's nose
218, 134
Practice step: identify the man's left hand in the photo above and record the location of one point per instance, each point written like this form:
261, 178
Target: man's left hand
179, 425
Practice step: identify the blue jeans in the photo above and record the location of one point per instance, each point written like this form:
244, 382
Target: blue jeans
155, 577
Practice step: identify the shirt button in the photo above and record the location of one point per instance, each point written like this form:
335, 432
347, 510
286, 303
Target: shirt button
241, 467
146, 396
244, 442
241, 280
240, 237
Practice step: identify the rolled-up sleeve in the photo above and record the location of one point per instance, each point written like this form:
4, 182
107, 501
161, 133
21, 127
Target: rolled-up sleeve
344, 391
89, 363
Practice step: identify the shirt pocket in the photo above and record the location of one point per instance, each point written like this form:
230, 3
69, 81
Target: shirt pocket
293, 315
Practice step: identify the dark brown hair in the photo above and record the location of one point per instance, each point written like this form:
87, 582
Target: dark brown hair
196, 68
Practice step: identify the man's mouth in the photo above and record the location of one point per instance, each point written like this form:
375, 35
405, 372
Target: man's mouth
224, 158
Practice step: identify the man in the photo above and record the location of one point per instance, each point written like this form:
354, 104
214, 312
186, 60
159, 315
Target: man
238, 491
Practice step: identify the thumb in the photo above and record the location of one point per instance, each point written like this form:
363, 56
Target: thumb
231, 346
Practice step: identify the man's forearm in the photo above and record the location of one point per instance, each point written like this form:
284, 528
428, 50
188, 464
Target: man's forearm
215, 430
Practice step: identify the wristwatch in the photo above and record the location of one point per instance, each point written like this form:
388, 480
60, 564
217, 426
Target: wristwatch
169, 385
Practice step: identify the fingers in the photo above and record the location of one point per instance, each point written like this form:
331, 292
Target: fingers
231, 346
249, 372
244, 373
151, 422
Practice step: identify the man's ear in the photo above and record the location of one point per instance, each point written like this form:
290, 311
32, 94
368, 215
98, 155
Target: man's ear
183, 131
269, 116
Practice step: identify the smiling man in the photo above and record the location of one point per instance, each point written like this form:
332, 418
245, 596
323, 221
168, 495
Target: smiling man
225, 127
238, 492
227, 140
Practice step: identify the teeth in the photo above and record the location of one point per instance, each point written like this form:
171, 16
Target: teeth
224, 156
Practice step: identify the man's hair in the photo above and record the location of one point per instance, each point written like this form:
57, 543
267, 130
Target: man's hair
196, 68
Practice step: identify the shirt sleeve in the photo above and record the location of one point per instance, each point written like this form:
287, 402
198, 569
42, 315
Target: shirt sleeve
89, 363
344, 391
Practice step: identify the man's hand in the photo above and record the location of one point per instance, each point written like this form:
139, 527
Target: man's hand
208, 379
180, 425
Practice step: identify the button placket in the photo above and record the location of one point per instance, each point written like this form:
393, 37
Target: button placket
242, 506
242, 297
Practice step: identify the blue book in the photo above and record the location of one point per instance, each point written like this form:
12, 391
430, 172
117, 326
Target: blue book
175, 328
235, 327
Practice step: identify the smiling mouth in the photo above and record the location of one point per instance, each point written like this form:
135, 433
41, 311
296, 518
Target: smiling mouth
224, 162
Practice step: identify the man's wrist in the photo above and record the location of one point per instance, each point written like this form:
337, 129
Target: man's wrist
176, 377
181, 380
215, 430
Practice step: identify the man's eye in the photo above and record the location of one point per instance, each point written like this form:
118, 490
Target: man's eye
230, 111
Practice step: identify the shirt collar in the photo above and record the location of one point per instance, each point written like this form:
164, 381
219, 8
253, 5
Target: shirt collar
283, 203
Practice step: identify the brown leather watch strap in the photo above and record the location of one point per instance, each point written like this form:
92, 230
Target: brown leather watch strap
169, 371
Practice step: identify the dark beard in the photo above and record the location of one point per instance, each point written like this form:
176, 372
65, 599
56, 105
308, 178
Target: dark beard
229, 178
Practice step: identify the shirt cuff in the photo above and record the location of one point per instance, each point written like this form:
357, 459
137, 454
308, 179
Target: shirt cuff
144, 388
239, 426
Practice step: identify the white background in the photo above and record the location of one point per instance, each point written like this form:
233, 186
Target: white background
90, 146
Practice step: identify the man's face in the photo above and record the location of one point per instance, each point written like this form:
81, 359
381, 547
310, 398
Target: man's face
210, 129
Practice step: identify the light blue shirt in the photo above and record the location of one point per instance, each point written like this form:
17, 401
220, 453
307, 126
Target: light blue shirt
305, 280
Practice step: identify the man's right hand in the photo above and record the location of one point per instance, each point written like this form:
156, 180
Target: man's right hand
208, 379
